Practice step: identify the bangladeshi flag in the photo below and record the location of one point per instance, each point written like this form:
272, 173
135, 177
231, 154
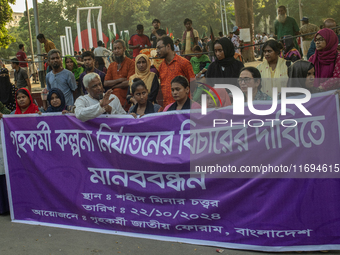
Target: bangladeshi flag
117, 33
212, 37
171, 34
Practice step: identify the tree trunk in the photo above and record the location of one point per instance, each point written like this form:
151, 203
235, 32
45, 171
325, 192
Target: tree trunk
245, 19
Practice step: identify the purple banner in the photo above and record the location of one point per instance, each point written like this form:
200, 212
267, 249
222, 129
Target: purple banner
132, 177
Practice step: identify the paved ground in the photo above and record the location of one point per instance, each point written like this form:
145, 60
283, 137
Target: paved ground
23, 239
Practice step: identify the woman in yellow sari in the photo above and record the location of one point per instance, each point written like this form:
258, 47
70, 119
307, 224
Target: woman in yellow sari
274, 70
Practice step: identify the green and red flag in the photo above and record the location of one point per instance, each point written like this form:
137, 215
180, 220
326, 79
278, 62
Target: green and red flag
212, 37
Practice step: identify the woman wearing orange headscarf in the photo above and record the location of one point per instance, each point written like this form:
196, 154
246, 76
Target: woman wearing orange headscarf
142, 71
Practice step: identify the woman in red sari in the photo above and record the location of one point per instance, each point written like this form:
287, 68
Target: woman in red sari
25, 103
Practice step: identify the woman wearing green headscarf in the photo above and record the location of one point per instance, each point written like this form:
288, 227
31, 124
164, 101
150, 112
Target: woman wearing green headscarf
71, 64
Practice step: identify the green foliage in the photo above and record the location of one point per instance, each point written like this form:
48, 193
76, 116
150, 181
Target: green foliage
315, 10
5, 17
127, 14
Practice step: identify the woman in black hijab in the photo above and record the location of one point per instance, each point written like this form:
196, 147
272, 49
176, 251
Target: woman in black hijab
225, 65
7, 90
301, 75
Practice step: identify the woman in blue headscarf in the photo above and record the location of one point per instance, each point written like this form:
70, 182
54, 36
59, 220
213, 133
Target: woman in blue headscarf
57, 103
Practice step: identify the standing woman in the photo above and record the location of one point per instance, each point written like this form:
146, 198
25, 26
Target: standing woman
4, 205
142, 71
326, 60
180, 92
225, 65
7, 90
25, 103
71, 64
274, 70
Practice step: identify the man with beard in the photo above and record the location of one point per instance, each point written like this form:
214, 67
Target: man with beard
119, 72
285, 25
172, 66
96, 103
156, 32
60, 78
88, 59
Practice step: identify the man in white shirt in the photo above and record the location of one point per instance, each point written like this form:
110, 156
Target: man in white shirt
95, 102
101, 51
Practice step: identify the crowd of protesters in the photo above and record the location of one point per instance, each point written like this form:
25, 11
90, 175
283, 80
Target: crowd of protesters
88, 85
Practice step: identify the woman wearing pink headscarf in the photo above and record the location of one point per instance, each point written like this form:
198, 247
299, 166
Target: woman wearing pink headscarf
326, 60
225, 99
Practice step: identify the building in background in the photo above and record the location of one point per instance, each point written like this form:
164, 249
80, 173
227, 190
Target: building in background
16, 18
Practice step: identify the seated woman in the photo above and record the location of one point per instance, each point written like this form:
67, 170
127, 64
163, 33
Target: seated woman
273, 70
180, 92
71, 64
25, 103
289, 51
140, 94
250, 77
225, 65
150, 79
7, 90
301, 75
56, 100
225, 99
326, 60
200, 62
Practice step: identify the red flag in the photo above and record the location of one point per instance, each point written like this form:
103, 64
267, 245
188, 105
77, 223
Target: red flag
167, 31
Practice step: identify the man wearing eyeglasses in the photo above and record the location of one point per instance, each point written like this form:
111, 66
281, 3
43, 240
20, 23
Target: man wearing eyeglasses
172, 66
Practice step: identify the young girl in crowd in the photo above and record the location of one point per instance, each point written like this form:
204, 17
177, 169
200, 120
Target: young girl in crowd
143, 104
180, 92
200, 62
57, 103
25, 103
